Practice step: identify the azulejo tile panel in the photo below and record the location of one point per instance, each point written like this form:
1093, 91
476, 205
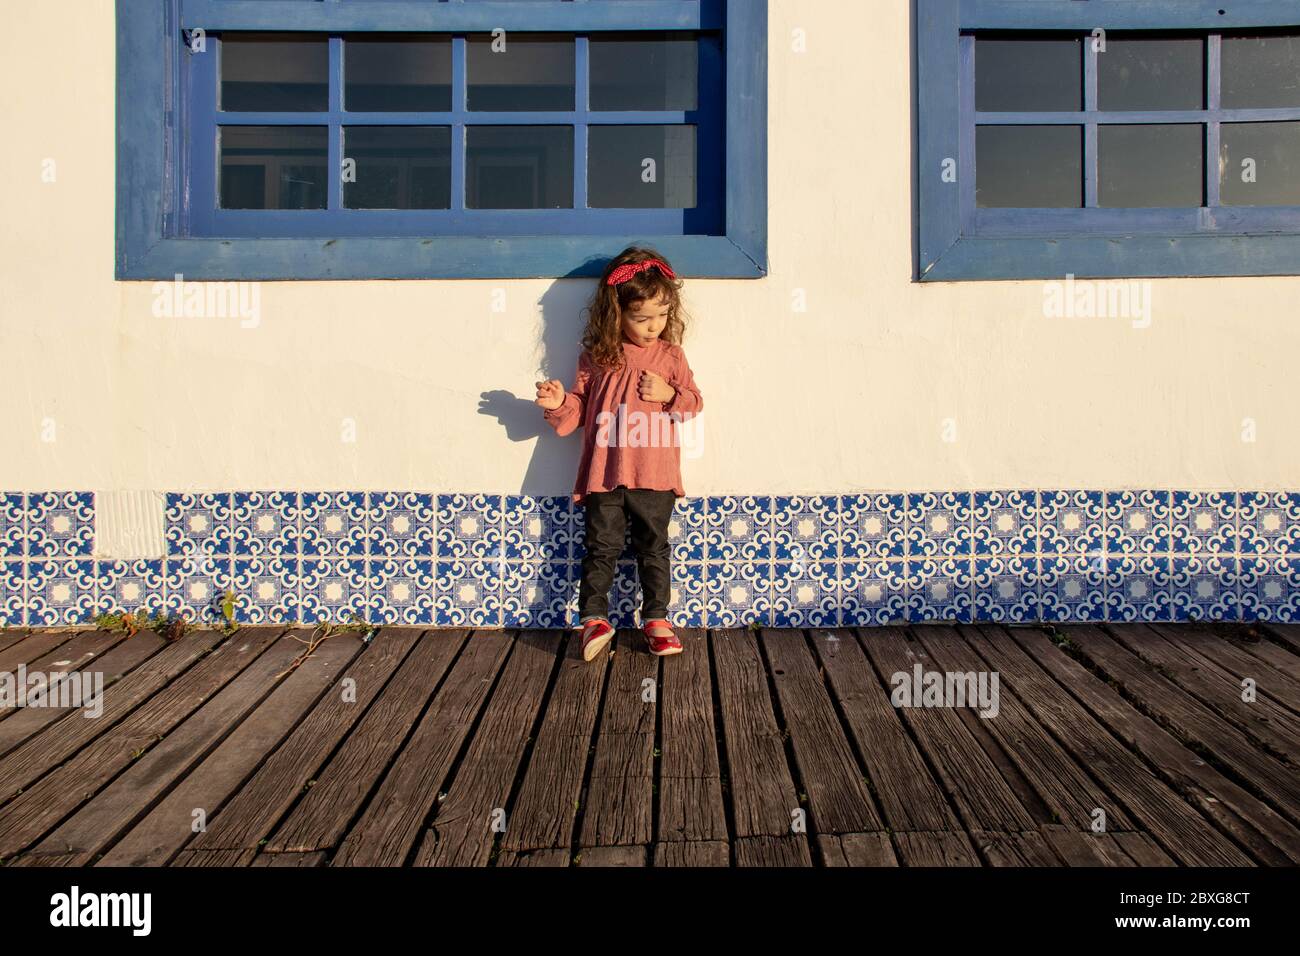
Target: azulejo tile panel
488, 560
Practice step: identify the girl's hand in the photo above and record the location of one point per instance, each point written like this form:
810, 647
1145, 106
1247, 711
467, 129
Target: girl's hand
550, 395
653, 388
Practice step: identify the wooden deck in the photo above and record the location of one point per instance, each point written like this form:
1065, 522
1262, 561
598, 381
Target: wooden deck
754, 748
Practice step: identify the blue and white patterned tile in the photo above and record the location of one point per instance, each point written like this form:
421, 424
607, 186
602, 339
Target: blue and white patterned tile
806, 528
1071, 522
690, 596
536, 594
61, 524
265, 522
1204, 588
467, 593
1203, 522
13, 593
199, 524
1137, 588
1270, 589
401, 590
734, 592
469, 526
124, 586
939, 589
688, 530
266, 589
1137, 522
1269, 523
805, 596
1006, 588
333, 524
872, 593
195, 586
1072, 587
537, 529
60, 591
740, 528
1005, 523
333, 589
13, 524
939, 525
873, 526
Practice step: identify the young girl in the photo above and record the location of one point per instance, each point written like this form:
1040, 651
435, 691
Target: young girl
632, 386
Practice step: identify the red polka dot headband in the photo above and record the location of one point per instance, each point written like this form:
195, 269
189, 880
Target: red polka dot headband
626, 271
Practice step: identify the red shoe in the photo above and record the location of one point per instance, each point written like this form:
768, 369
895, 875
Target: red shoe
659, 635
596, 634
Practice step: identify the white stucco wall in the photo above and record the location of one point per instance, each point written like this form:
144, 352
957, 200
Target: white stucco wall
854, 394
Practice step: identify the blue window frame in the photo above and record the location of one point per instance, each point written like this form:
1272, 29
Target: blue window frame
175, 213
961, 238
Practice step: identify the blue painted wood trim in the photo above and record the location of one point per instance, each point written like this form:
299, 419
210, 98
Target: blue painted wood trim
142, 77
525, 257
746, 98
402, 15
937, 128
1089, 15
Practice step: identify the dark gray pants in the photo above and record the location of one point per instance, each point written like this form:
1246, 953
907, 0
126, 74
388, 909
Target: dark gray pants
608, 516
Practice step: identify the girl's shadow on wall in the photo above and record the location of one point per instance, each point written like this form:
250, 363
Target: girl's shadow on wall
554, 464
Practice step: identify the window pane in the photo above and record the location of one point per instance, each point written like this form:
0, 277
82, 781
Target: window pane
521, 72
1029, 166
1261, 72
273, 167
1261, 164
267, 72
397, 73
519, 167
1151, 75
650, 71
397, 167
641, 167
1028, 75
1151, 166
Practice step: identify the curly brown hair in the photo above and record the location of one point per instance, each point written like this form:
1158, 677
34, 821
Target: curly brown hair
603, 338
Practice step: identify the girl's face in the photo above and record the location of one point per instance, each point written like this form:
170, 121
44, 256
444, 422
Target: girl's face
644, 321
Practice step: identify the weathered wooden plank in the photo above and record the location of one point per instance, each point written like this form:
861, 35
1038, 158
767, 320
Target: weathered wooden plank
690, 775
1205, 653
554, 858
36, 756
838, 798
395, 818
763, 796
252, 813
1194, 722
209, 785
1068, 791
618, 808
122, 659
935, 849
1252, 642
768, 851
1264, 720
1014, 849
464, 826
1150, 802
74, 655
599, 856
1143, 849
856, 849
108, 814
215, 858
970, 778
1287, 635
9, 636
321, 817
909, 795
546, 806
1268, 836
34, 645
1085, 849
677, 853
315, 858
32, 813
